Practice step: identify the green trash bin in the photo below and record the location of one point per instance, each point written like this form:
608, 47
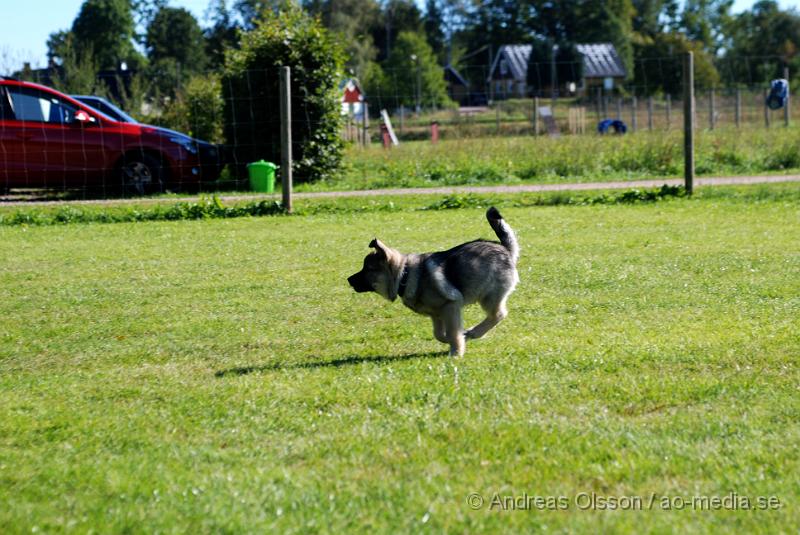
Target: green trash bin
262, 176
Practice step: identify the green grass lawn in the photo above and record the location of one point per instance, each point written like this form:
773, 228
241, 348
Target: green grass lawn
220, 376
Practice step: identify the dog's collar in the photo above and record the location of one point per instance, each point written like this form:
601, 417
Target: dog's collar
401, 288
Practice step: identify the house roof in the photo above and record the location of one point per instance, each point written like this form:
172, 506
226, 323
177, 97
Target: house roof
515, 59
453, 76
600, 60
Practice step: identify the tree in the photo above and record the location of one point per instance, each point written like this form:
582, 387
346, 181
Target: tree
222, 35
251, 93
175, 34
72, 73
659, 67
396, 16
143, 13
104, 30
354, 21
414, 74
704, 21
59, 45
434, 23
652, 16
250, 11
763, 41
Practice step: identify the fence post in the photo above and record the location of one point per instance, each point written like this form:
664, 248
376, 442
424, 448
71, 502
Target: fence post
619, 108
365, 125
688, 122
633, 113
599, 93
668, 111
535, 116
286, 138
786, 112
497, 117
711, 110
650, 113
738, 107
766, 109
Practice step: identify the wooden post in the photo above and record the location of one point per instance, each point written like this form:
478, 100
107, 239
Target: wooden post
786, 111
434, 132
497, 117
402, 118
766, 109
598, 106
286, 138
535, 116
365, 125
738, 111
633, 114
650, 113
619, 109
688, 122
711, 110
668, 111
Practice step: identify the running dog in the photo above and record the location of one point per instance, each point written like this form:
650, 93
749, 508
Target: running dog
440, 284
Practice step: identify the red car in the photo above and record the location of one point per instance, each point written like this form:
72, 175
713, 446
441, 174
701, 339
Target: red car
50, 140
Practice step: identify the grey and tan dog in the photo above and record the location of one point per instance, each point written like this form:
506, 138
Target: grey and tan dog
440, 284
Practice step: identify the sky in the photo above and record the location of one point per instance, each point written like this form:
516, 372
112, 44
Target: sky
24, 28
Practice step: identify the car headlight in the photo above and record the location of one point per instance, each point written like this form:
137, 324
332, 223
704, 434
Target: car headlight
186, 143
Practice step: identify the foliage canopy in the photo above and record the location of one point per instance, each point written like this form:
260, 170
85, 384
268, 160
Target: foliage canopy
290, 38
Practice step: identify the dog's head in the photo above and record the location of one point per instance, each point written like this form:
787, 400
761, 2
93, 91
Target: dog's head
379, 273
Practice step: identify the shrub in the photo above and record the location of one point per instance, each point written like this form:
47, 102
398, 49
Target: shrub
251, 92
196, 110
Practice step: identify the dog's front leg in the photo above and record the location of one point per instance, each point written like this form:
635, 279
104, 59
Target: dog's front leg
451, 315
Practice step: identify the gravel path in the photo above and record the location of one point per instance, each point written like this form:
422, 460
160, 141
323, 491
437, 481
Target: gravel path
526, 188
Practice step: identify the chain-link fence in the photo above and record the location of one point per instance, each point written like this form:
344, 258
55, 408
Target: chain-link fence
132, 136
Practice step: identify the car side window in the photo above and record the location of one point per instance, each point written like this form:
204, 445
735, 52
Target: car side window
5, 106
36, 106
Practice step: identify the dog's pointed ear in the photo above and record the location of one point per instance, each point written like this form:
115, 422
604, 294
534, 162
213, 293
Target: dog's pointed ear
379, 247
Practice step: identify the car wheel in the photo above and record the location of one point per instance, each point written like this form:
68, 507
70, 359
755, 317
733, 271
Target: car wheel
142, 174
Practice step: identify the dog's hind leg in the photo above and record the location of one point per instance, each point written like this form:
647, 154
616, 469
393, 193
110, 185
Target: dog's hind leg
495, 313
454, 328
439, 331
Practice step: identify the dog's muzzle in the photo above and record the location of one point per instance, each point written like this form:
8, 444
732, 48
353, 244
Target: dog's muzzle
359, 282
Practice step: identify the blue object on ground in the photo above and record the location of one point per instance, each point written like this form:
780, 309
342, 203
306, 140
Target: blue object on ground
778, 91
618, 126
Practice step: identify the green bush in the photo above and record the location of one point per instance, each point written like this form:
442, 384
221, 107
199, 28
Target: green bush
251, 92
197, 110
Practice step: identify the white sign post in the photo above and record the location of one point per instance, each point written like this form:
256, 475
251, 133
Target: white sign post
388, 123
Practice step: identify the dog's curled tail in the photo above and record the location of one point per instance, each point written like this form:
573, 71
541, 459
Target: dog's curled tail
504, 232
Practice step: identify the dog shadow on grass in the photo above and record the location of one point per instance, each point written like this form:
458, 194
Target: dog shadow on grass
336, 363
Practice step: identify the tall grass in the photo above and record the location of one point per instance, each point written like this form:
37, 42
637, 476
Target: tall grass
587, 158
